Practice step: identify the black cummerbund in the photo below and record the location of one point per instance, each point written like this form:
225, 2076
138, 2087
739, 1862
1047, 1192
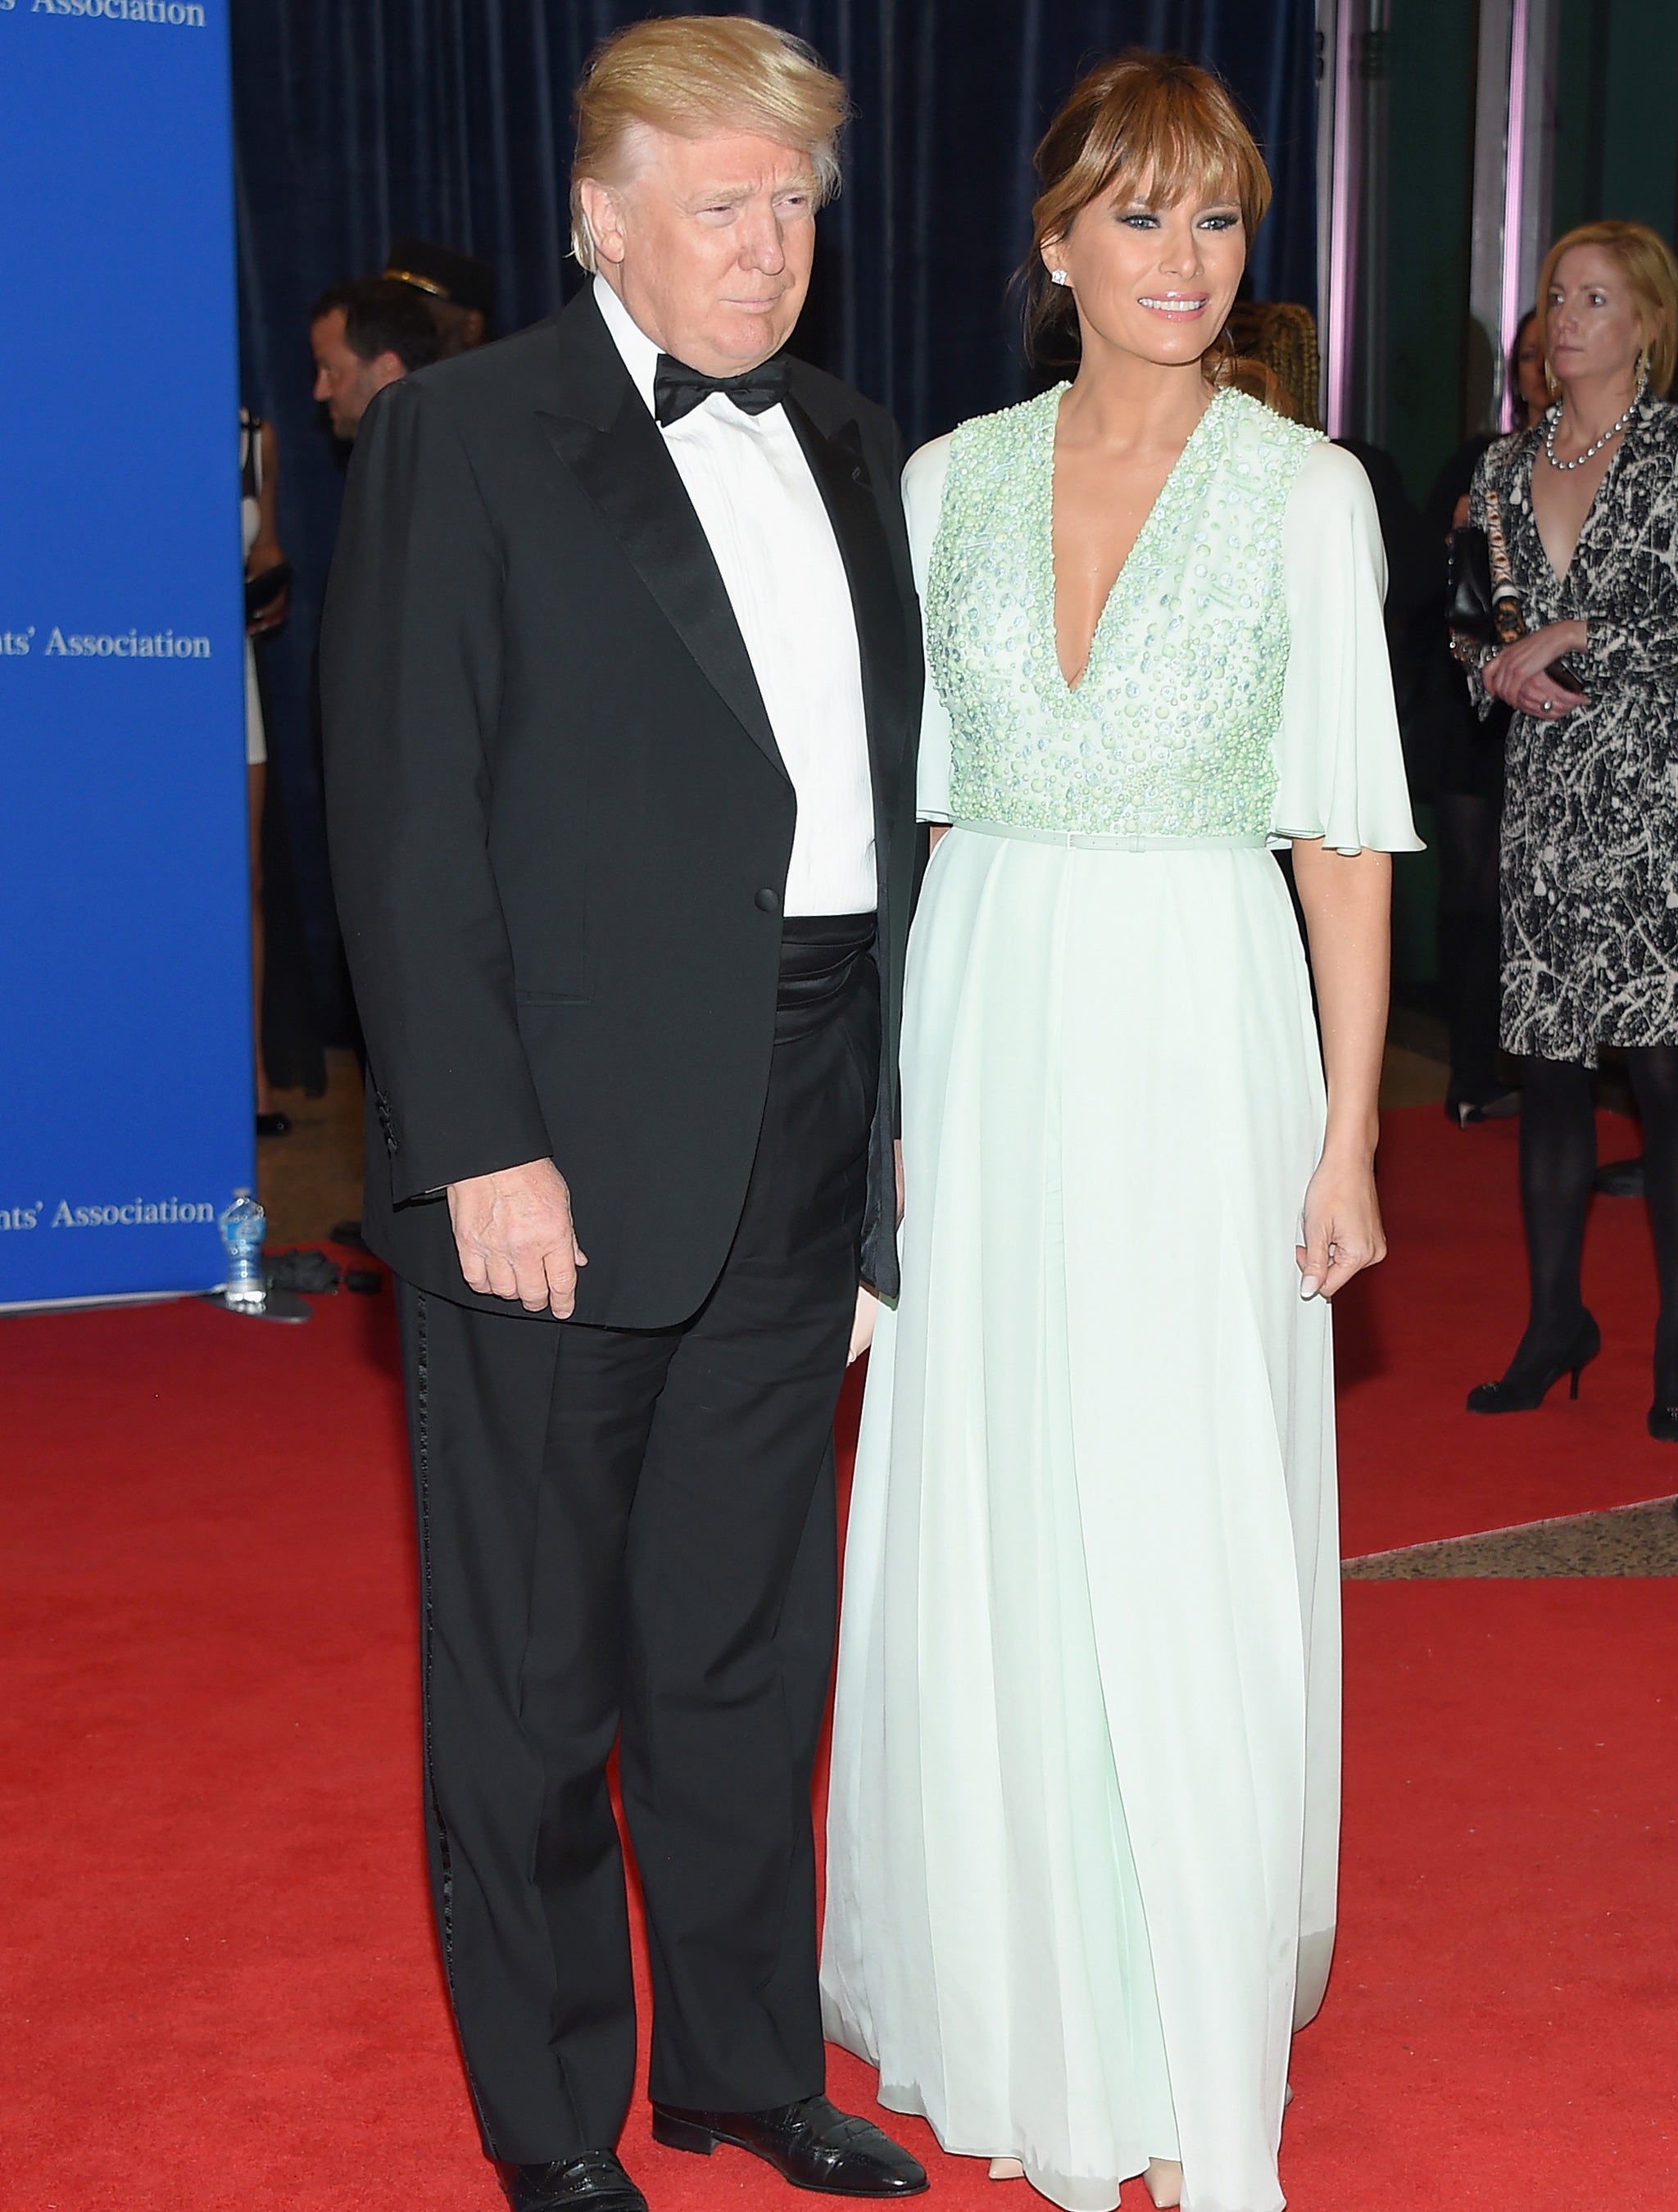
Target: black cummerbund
820, 954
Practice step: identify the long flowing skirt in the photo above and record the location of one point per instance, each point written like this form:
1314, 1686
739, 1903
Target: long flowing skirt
1084, 1802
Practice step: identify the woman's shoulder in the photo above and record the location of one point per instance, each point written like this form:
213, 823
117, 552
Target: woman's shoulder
974, 458
1260, 428
1509, 456
1279, 461
1270, 452
924, 478
927, 466
1006, 426
1657, 426
1332, 504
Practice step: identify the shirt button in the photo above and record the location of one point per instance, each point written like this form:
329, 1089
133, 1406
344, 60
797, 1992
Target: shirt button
768, 902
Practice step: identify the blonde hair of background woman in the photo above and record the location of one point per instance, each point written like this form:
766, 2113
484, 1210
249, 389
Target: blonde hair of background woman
1153, 121
698, 76
1650, 271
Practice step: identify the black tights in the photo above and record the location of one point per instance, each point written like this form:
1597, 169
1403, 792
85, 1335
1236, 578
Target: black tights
1466, 827
1558, 1161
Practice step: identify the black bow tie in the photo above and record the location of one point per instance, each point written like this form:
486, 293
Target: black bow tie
678, 389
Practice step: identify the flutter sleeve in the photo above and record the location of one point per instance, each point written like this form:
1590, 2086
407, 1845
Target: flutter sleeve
1340, 772
923, 501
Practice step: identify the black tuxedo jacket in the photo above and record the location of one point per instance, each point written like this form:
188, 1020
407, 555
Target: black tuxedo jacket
560, 824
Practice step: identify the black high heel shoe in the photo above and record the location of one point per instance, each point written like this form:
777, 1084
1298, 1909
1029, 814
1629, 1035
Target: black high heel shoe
1664, 1424
1530, 1377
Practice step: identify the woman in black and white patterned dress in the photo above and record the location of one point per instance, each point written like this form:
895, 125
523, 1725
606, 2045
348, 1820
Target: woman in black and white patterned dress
1588, 501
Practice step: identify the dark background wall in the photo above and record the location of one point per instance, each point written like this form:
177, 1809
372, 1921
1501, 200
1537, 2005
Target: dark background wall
1617, 114
1429, 61
356, 119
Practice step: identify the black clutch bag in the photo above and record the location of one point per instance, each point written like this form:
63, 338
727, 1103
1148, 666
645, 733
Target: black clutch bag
262, 590
1473, 616
1470, 612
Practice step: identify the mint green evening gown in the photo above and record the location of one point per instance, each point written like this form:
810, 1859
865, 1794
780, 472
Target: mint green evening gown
1084, 1802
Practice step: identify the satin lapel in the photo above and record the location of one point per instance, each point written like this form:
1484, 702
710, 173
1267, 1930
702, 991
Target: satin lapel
626, 470
841, 471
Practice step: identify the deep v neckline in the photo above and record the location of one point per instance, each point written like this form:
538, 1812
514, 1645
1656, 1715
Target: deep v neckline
1070, 691
1562, 575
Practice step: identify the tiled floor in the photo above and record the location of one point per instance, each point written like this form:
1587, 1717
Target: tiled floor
1632, 1540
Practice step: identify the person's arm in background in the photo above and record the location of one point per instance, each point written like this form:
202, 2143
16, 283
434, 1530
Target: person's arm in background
265, 551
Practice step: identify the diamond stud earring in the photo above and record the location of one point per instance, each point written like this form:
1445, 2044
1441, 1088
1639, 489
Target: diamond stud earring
1059, 276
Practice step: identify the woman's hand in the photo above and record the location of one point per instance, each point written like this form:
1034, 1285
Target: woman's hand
1516, 674
266, 554
862, 1322
1347, 899
1343, 1231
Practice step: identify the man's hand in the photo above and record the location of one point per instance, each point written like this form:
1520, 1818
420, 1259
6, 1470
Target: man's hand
513, 1231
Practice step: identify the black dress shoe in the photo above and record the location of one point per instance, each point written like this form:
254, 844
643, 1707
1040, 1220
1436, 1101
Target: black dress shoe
1664, 1427
812, 2144
596, 2182
273, 1125
1531, 1375
1620, 1178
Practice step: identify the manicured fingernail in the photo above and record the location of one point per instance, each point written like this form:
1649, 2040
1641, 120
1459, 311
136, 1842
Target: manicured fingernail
1310, 1287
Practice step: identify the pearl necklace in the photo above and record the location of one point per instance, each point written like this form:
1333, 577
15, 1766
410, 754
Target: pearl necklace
1553, 423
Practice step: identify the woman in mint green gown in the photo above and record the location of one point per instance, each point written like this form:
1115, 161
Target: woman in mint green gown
1084, 1799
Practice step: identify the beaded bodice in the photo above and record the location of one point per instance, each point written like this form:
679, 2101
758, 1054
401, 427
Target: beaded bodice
1171, 729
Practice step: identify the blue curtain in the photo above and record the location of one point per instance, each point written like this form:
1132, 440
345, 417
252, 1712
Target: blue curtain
356, 119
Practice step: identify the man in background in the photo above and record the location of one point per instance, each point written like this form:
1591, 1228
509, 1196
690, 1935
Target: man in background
365, 335
458, 292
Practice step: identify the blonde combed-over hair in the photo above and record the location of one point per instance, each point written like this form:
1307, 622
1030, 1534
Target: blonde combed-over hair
694, 76
1651, 274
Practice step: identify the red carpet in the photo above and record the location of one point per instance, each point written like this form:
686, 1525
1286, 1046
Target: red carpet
219, 1981
1446, 1312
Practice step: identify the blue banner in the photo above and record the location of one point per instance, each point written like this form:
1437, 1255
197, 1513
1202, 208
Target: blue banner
126, 1094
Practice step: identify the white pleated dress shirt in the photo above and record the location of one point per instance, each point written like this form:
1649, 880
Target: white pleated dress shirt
759, 507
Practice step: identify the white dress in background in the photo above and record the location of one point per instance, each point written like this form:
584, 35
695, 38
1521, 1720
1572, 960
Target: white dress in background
1085, 1798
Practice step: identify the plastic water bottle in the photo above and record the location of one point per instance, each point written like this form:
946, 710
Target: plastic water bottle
242, 1227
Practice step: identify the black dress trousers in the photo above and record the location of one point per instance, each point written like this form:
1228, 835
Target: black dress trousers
629, 1536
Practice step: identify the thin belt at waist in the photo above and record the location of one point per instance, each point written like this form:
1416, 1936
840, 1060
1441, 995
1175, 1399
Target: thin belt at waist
820, 957
1080, 843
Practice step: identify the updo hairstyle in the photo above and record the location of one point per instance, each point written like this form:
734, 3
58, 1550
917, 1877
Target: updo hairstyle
1651, 275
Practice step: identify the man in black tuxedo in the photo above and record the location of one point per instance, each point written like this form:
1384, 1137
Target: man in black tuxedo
621, 683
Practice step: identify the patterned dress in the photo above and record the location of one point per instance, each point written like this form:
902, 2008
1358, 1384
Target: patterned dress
1084, 1806
1590, 816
